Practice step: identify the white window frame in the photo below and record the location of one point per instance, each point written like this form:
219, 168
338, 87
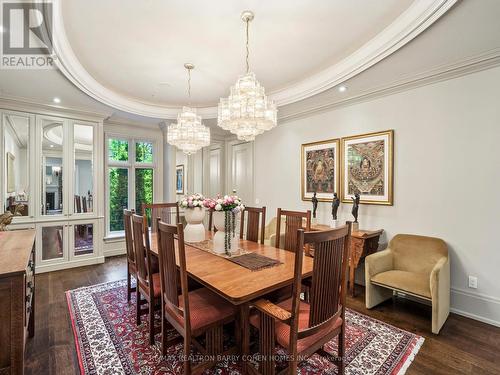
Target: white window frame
131, 165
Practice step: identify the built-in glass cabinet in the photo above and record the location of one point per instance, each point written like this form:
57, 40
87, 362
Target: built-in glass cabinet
50, 171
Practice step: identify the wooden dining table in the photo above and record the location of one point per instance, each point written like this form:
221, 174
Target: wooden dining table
237, 284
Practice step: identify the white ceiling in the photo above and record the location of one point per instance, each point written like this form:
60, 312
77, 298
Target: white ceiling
137, 49
468, 30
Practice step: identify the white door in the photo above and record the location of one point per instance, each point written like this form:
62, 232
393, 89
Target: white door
242, 171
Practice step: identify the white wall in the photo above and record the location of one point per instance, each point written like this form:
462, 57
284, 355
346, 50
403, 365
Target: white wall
446, 176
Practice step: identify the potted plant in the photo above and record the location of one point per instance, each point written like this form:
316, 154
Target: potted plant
226, 214
194, 212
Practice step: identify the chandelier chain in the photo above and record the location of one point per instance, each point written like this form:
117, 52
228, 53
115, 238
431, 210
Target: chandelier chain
189, 86
247, 47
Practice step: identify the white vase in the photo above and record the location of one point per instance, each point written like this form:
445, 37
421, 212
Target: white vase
219, 218
194, 231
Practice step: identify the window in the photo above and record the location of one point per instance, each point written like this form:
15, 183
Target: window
130, 173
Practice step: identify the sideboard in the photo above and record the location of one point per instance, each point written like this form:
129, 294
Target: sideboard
17, 296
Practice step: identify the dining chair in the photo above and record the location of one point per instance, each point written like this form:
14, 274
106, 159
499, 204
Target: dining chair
148, 283
304, 328
293, 222
129, 244
192, 314
164, 211
253, 215
211, 226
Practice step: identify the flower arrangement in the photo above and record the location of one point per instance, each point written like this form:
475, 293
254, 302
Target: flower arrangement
230, 206
192, 201
227, 203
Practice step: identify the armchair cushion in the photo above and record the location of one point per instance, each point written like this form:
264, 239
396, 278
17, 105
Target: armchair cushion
415, 283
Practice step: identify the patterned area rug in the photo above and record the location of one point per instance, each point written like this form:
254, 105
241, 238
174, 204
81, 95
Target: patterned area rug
109, 342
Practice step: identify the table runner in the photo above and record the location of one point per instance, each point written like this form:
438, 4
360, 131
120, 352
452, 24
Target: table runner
242, 257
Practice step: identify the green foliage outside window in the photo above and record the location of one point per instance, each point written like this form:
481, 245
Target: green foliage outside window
143, 189
144, 152
117, 150
118, 197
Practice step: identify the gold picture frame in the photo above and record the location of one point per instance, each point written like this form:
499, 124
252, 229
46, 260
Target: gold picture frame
368, 168
315, 158
11, 177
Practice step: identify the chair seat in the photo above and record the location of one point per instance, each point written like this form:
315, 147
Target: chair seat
414, 283
283, 329
205, 307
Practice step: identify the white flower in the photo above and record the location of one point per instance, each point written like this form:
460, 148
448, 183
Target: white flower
236, 201
219, 201
242, 207
218, 207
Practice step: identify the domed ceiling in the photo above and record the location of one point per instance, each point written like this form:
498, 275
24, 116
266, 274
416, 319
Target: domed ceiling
130, 54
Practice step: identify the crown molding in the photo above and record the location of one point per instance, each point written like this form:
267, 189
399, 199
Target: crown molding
32, 106
484, 61
419, 16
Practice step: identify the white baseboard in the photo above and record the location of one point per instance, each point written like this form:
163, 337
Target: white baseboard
486, 308
71, 264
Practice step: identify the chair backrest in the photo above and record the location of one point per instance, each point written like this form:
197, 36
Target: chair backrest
329, 281
253, 214
418, 254
78, 204
141, 249
129, 242
211, 226
167, 234
164, 211
293, 222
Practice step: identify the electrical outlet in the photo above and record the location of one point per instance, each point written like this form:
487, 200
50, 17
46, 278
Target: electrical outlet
473, 282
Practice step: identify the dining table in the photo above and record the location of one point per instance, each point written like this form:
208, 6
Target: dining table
237, 284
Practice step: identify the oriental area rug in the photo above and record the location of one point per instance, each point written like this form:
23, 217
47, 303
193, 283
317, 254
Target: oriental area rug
108, 341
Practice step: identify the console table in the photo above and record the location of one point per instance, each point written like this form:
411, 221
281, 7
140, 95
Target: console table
363, 243
17, 296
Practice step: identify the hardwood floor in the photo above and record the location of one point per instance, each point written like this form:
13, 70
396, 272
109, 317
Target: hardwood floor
464, 346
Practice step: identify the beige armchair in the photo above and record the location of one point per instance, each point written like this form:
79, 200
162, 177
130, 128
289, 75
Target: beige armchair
415, 265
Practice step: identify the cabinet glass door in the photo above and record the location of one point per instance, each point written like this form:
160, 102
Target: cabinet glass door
83, 158
82, 241
16, 139
53, 139
52, 242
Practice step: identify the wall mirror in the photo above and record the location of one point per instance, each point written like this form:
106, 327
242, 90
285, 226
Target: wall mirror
16, 129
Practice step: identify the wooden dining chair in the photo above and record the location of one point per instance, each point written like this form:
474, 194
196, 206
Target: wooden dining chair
304, 328
129, 244
211, 226
253, 215
164, 211
192, 314
293, 222
148, 283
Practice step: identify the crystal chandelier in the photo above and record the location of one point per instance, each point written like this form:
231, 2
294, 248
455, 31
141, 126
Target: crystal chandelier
188, 134
247, 112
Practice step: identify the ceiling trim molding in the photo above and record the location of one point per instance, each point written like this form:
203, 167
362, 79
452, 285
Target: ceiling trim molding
419, 16
484, 61
31, 106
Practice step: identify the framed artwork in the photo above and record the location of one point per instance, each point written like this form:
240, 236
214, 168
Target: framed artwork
367, 167
320, 169
179, 179
11, 177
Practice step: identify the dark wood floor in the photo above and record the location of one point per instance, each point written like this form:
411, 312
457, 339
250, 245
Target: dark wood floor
464, 346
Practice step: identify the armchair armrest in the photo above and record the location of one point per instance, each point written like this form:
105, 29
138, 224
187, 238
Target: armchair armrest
439, 274
378, 262
273, 310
